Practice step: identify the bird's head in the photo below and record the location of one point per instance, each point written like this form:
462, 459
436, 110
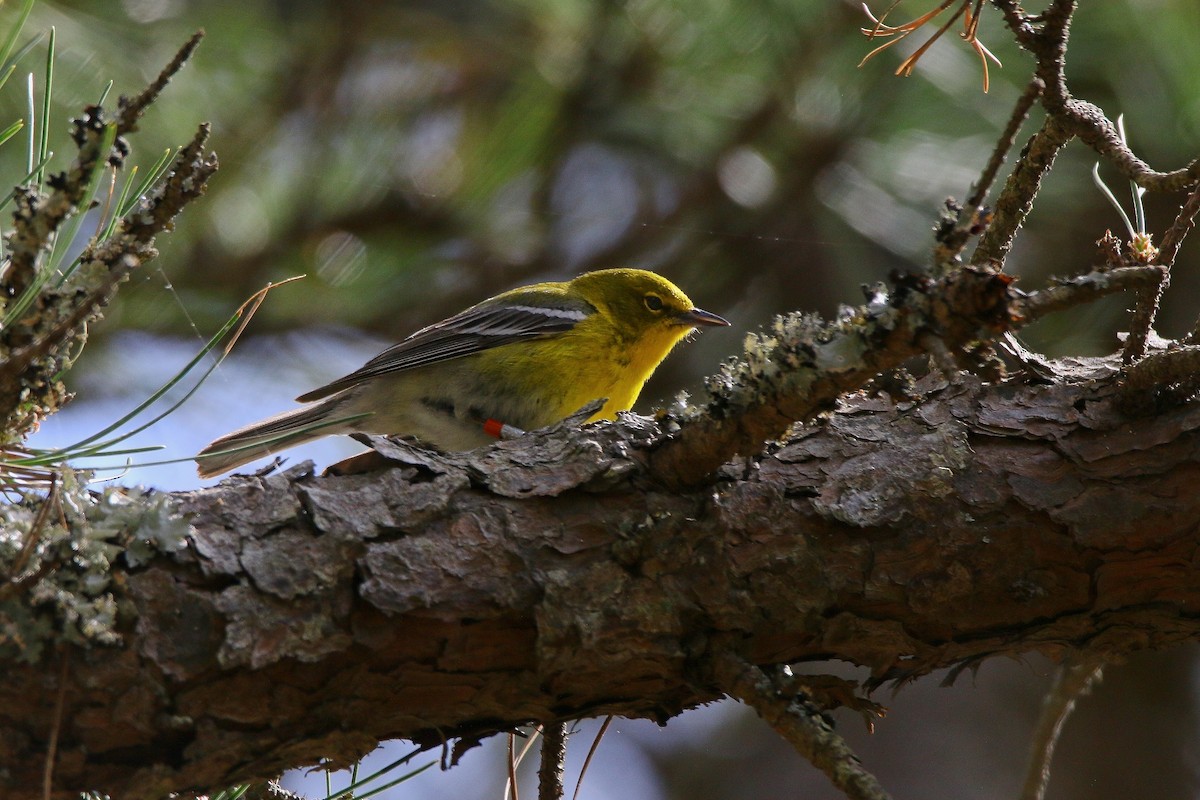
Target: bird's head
644, 307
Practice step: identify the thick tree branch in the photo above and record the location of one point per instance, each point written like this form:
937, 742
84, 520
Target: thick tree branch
802, 365
445, 597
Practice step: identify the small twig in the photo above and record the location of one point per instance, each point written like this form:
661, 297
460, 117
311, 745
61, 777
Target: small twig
515, 761
56, 726
554, 758
1183, 224
38, 216
1050, 50
512, 767
1095, 130
1048, 44
1141, 323
801, 723
31, 540
1019, 114
56, 336
1017, 21
1174, 237
130, 110
1086, 288
35, 529
1071, 681
951, 245
1016, 199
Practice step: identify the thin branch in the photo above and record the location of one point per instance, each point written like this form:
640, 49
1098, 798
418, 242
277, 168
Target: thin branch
1048, 44
1017, 21
1050, 50
1071, 681
130, 110
512, 768
1141, 324
950, 247
1086, 288
1094, 129
801, 723
31, 539
1016, 199
554, 757
1008, 138
1184, 222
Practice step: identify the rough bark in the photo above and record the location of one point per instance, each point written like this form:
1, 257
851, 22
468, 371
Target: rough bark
551, 577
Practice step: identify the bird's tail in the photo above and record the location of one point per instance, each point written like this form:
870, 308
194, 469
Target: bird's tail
273, 434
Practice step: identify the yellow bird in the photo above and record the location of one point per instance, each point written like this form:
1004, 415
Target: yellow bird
520, 360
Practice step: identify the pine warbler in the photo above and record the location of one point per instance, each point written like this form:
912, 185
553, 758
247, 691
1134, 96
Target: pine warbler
520, 360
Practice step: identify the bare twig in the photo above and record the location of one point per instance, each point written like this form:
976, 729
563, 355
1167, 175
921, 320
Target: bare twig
950, 246
1047, 41
515, 759
512, 768
1184, 222
34, 535
1020, 113
1142, 322
39, 217
1090, 124
1016, 199
801, 724
1071, 681
554, 756
1086, 288
1017, 21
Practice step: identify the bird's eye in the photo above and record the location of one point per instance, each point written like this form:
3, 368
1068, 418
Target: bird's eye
654, 302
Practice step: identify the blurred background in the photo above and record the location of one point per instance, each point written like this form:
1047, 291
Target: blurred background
413, 158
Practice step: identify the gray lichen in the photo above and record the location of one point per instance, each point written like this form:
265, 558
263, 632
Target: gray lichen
59, 565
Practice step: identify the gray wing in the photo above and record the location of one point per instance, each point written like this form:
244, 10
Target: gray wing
479, 328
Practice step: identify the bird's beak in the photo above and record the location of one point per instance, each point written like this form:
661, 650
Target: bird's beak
696, 317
